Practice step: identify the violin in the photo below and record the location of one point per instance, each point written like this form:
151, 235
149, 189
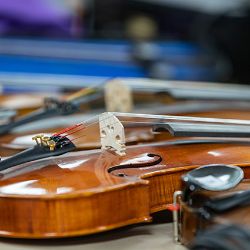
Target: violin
219, 199
120, 95
48, 191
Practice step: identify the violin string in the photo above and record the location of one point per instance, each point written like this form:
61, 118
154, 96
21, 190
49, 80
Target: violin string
160, 120
86, 126
78, 138
187, 119
67, 129
72, 132
84, 135
74, 139
75, 126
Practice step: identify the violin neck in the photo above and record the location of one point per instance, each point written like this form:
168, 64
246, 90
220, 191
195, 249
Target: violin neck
149, 119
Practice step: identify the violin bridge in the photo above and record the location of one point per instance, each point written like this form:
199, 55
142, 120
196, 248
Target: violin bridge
112, 133
118, 97
46, 141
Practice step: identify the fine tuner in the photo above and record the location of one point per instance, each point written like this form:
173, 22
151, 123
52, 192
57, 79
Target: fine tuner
46, 141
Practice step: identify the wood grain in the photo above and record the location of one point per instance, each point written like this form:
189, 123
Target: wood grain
74, 194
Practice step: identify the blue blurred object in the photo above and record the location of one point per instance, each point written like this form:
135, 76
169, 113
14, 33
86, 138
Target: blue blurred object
69, 66
102, 50
8, 88
105, 59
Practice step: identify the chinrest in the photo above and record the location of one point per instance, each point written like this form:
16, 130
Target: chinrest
215, 177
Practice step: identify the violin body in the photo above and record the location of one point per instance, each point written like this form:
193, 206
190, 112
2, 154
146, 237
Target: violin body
86, 192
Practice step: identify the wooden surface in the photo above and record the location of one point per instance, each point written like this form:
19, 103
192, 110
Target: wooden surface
146, 237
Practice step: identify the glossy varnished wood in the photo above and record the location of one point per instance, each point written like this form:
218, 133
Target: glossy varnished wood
76, 193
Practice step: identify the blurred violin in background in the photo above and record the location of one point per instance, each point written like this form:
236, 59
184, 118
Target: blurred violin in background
126, 95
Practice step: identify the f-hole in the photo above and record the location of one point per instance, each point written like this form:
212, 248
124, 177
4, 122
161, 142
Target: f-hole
154, 160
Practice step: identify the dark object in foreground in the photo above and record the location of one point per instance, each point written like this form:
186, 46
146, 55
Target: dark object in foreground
226, 237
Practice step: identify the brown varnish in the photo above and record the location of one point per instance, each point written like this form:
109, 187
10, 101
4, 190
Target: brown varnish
87, 192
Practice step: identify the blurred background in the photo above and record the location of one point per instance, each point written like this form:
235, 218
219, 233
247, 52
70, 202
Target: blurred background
83, 42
